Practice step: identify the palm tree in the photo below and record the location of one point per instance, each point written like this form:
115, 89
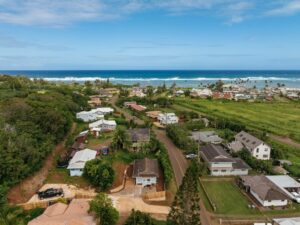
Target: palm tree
121, 140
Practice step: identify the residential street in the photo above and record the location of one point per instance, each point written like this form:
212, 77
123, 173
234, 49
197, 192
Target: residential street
178, 160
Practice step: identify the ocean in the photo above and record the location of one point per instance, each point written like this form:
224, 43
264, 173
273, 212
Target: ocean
182, 78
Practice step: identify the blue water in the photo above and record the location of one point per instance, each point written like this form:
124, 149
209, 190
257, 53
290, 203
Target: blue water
184, 78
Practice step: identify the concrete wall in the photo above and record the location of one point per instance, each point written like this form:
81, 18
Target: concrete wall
262, 150
145, 180
76, 172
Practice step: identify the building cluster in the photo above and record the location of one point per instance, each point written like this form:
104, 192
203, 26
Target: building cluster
93, 114
239, 92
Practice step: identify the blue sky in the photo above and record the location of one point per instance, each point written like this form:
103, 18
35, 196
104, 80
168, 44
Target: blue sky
149, 34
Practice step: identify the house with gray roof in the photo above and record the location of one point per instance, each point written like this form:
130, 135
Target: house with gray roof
256, 147
264, 191
145, 171
220, 163
206, 137
139, 137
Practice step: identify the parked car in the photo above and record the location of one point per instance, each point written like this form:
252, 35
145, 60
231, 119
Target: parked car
51, 192
191, 156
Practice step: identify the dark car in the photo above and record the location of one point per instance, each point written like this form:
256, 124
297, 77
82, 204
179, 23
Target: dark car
51, 192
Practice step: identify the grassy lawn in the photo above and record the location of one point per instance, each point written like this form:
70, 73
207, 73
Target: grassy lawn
227, 198
281, 118
61, 176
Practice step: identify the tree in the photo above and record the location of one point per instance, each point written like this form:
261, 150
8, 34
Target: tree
186, 208
139, 218
103, 209
121, 140
11, 215
100, 173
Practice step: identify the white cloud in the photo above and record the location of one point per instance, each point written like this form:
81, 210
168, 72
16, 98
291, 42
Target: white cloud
286, 8
60, 13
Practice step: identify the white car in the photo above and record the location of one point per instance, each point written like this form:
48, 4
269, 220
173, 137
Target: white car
295, 194
191, 156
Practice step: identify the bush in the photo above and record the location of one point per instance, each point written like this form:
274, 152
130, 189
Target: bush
179, 135
165, 163
99, 173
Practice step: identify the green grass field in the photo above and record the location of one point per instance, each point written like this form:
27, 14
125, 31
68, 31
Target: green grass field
280, 118
227, 198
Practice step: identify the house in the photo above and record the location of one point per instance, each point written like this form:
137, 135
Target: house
139, 137
77, 163
235, 146
138, 108
127, 104
179, 92
222, 95
288, 185
264, 191
93, 114
241, 96
76, 213
206, 137
256, 147
82, 136
102, 126
153, 114
220, 163
233, 88
145, 171
94, 101
138, 92
287, 221
167, 118
202, 93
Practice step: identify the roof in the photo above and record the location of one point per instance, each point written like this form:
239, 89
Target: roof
137, 107
145, 168
215, 153
139, 134
288, 221
284, 181
102, 122
248, 140
264, 188
81, 157
235, 146
153, 114
206, 136
76, 213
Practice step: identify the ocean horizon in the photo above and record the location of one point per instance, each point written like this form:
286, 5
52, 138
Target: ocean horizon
182, 78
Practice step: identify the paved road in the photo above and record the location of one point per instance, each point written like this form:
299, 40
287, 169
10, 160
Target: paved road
178, 161
180, 164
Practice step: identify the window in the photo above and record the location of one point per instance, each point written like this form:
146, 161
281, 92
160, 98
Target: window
265, 156
215, 170
223, 171
266, 149
148, 180
257, 150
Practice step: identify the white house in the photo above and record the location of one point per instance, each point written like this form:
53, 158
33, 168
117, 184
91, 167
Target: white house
288, 185
264, 191
167, 118
202, 93
145, 171
102, 126
220, 163
77, 163
256, 147
93, 114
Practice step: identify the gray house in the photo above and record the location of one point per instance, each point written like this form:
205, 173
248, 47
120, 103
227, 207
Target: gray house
206, 137
220, 163
139, 137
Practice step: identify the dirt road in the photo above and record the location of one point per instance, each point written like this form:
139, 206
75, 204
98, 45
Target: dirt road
285, 140
23, 191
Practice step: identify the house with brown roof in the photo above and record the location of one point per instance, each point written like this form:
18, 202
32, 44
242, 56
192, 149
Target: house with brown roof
145, 171
139, 137
220, 163
256, 147
76, 213
264, 191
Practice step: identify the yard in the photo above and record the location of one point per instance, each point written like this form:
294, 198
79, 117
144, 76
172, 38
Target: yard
280, 118
227, 198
